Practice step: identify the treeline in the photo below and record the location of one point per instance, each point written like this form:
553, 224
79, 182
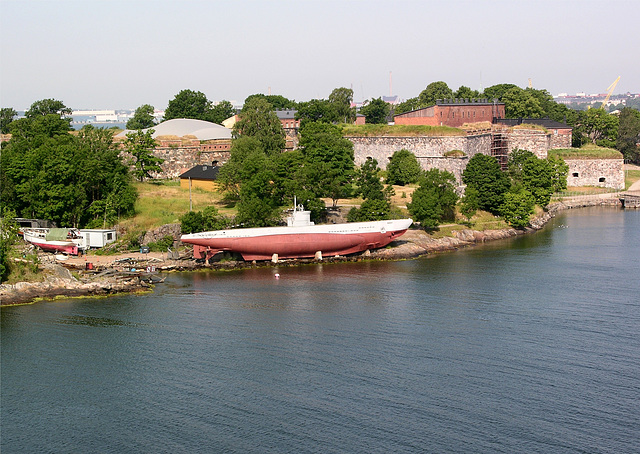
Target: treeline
76, 180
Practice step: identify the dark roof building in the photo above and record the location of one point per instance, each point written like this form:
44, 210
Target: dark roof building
202, 172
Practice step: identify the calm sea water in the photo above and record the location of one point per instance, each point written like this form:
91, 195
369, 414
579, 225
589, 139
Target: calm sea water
527, 345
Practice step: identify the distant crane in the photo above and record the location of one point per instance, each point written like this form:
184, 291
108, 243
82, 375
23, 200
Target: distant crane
610, 90
530, 84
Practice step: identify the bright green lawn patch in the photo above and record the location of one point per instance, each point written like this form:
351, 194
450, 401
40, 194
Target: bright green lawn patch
586, 152
400, 131
630, 177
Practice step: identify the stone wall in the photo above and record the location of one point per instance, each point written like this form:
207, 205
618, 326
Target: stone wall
534, 140
430, 151
607, 173
180, 159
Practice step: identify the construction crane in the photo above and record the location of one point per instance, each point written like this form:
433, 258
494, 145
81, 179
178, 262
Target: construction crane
610, 90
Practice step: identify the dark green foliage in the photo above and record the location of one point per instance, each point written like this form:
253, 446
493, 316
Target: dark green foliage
521, 103
433, 92
483, 173
221, 111
435, 199
258, 120
320, 110
629, 135
517, 208
466, 93
7, 115
8, 237
258, 203
328, 159
203, 221
497, 91
189, 104
162, 245
233, 172
600, 127
370, 210
403, 168
142, 118
277, 102
368, 181
78, 181
340, 100
141, 145
540, 177
375, 111
559, 172
48, 107
470, 203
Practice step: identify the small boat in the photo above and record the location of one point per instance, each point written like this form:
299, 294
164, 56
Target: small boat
60, 240
299, 239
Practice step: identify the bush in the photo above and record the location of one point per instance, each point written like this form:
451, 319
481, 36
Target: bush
517, 208
162, 245
403, 168
370, 210
435, 199
484, 174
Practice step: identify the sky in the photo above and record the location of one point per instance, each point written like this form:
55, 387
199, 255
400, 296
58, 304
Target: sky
99, 54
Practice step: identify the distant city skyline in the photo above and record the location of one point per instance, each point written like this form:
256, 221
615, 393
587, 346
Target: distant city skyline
122, 54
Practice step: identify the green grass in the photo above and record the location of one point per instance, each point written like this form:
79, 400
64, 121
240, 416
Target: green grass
630, 177
586, 152
400, 131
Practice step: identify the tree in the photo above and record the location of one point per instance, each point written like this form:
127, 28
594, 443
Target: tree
470, 203
435, 199
203, 221
601, 127
407, 106
7, 115
189, 104
234, 171
484, 174
368, 181
629, 135
74, 181
521, 103
328, 159
258, 120
48, 107
341, 99
142, 118
433, 92
403, 168
221, 111
497, 91
8, 237
370, 210
376, 111
316, 110
277, 102
141, 145
517, 208
466, 93
559, 172
258, 202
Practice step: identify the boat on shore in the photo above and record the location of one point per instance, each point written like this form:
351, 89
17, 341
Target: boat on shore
59, 240
301, 238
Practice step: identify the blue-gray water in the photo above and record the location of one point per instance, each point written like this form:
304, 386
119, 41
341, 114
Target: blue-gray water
527, 345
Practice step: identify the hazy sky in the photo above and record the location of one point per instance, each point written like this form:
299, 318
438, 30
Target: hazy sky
121, 54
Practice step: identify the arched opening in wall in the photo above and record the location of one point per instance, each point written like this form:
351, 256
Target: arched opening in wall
574, 174
601, 180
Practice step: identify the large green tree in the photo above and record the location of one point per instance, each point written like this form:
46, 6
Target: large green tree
433, 92
341, 99
435, 199
328, 159
50, 174
7, 114
140, 145
521, 103
48, 107
628, 142
403, 168
190, 104
142, 118
221, 111
258, 120
376, 111
600, 126
278, 102
484, 174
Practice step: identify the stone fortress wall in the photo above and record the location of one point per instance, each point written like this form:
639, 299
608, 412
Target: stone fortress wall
607, 173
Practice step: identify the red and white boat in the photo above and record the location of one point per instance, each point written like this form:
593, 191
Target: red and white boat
68, 241
299, 239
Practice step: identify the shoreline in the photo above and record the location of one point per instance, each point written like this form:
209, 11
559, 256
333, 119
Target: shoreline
118, 276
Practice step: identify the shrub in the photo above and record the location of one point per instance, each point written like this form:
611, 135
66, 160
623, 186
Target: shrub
403, 168
162, 245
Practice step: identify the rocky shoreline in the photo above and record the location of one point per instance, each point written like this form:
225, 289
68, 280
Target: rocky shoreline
138, 272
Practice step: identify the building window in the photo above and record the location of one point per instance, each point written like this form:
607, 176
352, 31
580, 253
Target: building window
601, 179
574, 174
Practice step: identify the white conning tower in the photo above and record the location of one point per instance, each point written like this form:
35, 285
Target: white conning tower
299, 217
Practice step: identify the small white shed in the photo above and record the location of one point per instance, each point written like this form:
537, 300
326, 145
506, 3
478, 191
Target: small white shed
96, 238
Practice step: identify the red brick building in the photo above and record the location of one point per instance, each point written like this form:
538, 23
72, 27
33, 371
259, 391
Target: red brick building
453, 112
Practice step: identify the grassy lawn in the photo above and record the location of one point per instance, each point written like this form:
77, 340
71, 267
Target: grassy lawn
163, 202
586, 152
400, 130
630, 177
